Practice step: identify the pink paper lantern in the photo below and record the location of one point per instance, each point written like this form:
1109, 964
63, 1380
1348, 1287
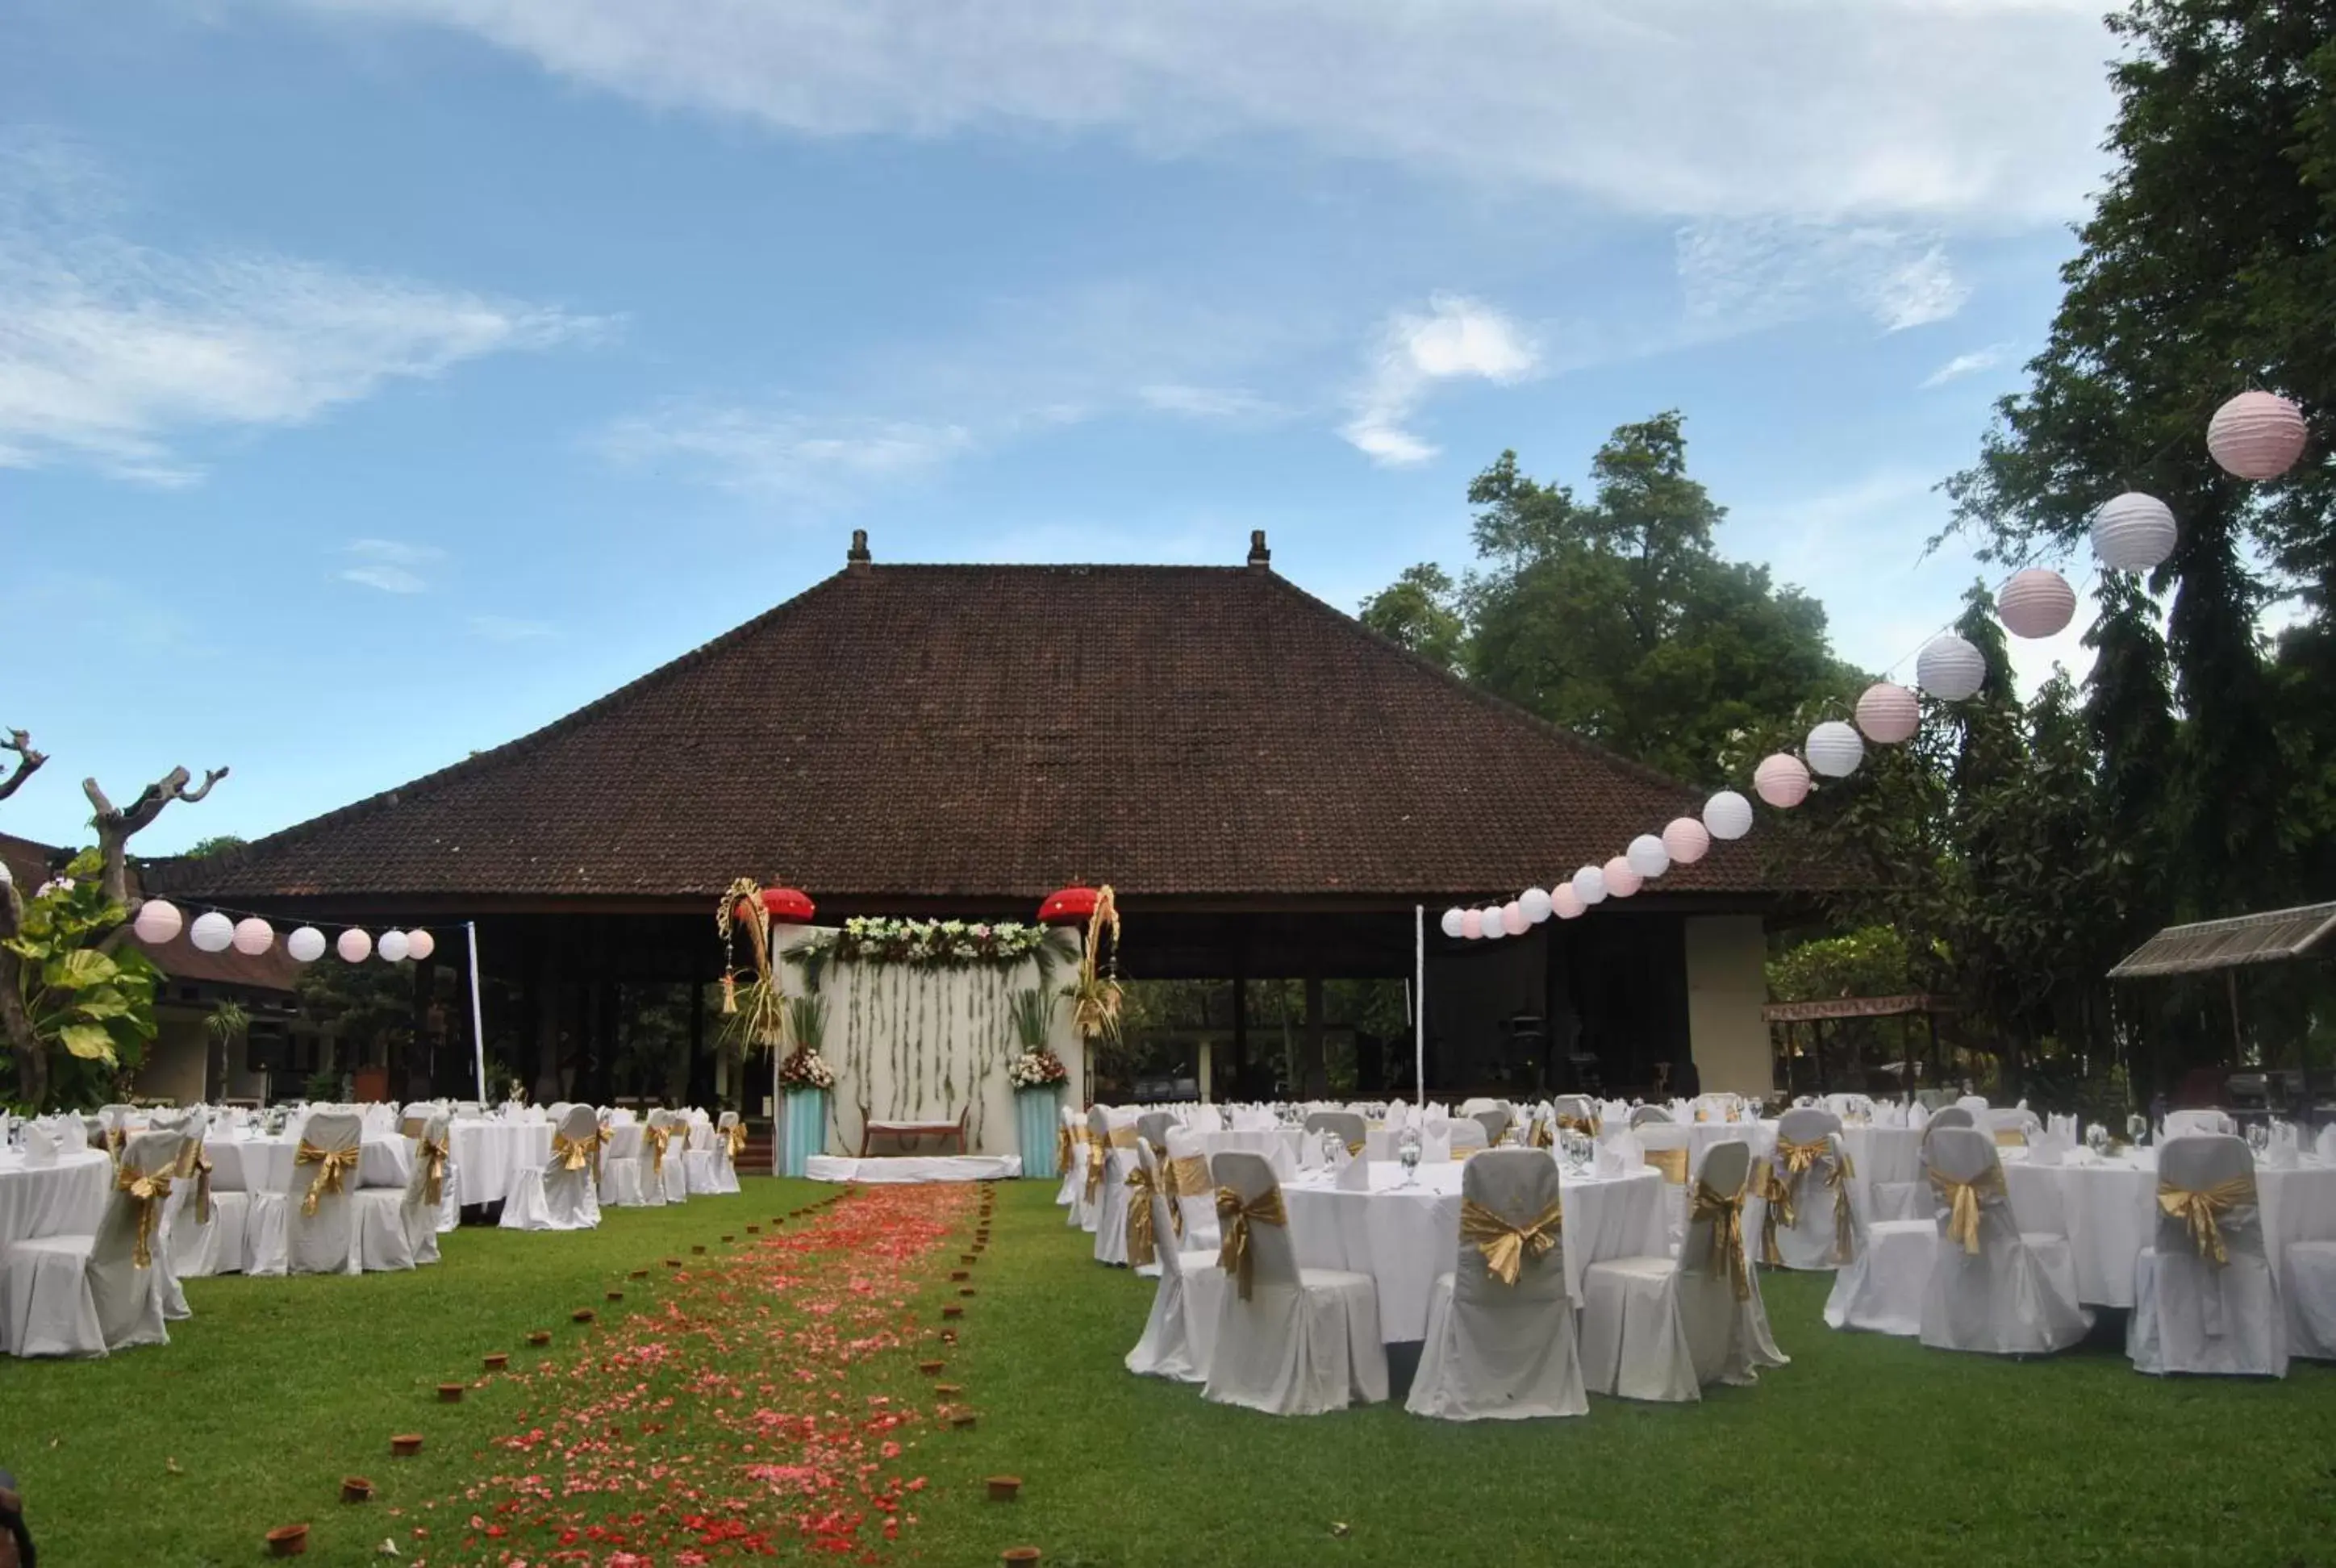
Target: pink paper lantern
1513, 919
353, 946
1688, 840
1565, 904
1622, 881
2257, 436
1472, 925
2035, 603
420, 944
1782, 780
253, 936
1888, 713
158, 921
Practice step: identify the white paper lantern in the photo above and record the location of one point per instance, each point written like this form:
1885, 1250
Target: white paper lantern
1513, 919
1488, 921
2257, 436
1450, 923
353, 946
1834, 749
2133, 532
1727, 815
1565, 903
1782, 780
419, 945
306, 945
158, 921
1685, 841
1648, 857
1949, 668
213, 932
253, 936
1622, 881
2036, 603
1888, 713
392, 947
1534, 901
1590, 885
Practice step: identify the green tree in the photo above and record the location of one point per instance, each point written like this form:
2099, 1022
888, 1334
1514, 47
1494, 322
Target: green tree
1420, 610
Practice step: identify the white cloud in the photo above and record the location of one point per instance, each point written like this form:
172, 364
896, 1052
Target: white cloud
508, 629
1981, 110
388, 579
390, 565
1743, 276
396, 551
1227, 402
1458, 338
766, 451
113, 353
1972, 363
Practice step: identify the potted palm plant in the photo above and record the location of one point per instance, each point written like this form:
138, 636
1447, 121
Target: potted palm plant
1037, 1075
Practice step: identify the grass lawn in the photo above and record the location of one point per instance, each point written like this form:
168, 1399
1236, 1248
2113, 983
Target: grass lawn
772, 1387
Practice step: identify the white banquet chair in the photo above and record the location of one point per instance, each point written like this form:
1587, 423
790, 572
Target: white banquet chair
1808, 1218
1071, 1157
1669, 1148
1346, 1124
1191, 1190
1641, 1115
1290, 1342
2193, 1123
1662, 1329
729, 1142
433, 1176
622, 1183
1501, 1342
1180, 1329
95, 1294
663, 1163
319, 1218
385, 1219
2204, 1296
1993, 1289
210, 1223
699, 1141
1460, 1133
1114, 1134
558, 1194
2310, 1294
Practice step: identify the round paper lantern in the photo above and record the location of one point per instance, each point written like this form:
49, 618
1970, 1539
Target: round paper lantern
1949, 668
1727, 815
1888, 713
2035, 602
419, 945
1450, 923
353, 946
1685, 841
306, 945
1834, 749
2133, 532
1648, 857
1513, 919
1590, 885
1488, 921
1565, 904
1064, 907
158, 921
1622, 881
392, 947
1534, 901
253, 936
2257, 436
212, 932
1782, 780
1472, 924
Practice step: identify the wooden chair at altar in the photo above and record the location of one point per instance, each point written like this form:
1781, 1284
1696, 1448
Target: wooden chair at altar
871, 1129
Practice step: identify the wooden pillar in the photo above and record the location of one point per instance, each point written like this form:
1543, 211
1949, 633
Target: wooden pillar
1316, 1076
422, 1046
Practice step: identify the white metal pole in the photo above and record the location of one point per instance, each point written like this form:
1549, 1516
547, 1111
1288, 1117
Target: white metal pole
1419, 1004
477, 1017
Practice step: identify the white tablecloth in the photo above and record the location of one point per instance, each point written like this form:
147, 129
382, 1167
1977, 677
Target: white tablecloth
488, 1153
66, 1199
1279, 1145
2109, 1211
265, 1164
1404, 1237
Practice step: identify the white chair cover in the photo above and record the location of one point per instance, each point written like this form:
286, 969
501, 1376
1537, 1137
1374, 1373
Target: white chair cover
1816, 1228
725, 1163
1180, 1330
2310, 1293
1993, 1289
1114, 1131
1300, 1342
2189, 1124
1349, 1126
1196, 1194
90, 1295
387, 1218
424, 1223
1070, 1146
1642, 1115
674, 1170
2205, 1296
623, 1184
1494, 1351
323, 1242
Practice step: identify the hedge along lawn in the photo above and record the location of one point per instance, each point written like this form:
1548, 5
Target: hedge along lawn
1863, 1451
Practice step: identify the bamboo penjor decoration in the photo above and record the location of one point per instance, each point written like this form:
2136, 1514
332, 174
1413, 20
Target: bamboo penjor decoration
762, 1020
1094, 997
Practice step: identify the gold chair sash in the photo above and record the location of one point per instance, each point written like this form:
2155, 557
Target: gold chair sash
1799, 1157
574, 1153
1963, 1199
2012, 1137
1141, 1244
1571, 1123
1726, 1212
1234, 1217
1098, 1154
1062, 1147
1122, 1137
194, 1162
1776, 1193
1545, 1133
737, 1138
1505, 1246
2201, 1209
331, 1165
114, 1138
1355, 1146
654, 1139
413, 1127
433, 1169
1844, 1237
1190, 1177
146, 1194
1671, 1162
1172, 1188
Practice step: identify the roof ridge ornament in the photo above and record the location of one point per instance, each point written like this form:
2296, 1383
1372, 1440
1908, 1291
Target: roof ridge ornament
857, 557
1260, 558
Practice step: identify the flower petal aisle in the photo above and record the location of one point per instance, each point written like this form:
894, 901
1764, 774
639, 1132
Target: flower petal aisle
767, 1403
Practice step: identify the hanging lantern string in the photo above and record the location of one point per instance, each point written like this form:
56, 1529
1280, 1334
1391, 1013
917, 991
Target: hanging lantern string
276, 920
2091, 582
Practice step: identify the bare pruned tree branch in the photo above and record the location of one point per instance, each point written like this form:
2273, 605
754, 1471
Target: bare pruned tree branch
114, 826
28, 761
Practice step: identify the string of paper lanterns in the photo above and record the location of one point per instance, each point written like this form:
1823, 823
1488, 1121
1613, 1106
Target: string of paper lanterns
159, 921
2255, 436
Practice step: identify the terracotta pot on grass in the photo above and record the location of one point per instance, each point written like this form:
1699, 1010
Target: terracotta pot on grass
967, 1257
952, 1312
639, 1274
948, 1390
539, 1336
450, 1393
965, 1290
1005, 1488
406, 1445
930, 1368
729, 1236
962, 1420
673, 1262
583, 1314
960, 1275
355, 1489
497, 1361
1018, 1554
287, 1541
754, 1230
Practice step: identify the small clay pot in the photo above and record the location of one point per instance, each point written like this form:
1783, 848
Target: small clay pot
287, 1541
673, 1262
948, 1390
754, 1230
967, 1259
406, 1445
497, 1360
949, 1336
539, 1336
965, 1290
1005, 1488
960, 1275
729, 1236
450, 1393
355, 1489
962, 1420
696, 1251
930, 1368
639, 1274
1018, 1554
952, 1312
583, 1314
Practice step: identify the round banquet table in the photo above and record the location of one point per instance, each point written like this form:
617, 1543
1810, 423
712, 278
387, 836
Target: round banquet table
1404, 1237
2108, 1208
265, 1165
1282, 1146
66, 1199
488, 1153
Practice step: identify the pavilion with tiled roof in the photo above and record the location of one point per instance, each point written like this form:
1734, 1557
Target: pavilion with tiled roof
1271, 788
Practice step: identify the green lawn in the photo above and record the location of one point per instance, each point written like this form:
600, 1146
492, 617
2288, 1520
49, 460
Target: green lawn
1863, 1451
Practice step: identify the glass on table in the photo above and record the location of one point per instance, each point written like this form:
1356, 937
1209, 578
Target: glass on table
1407, 1153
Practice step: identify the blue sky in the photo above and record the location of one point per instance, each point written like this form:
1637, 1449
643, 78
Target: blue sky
380, 379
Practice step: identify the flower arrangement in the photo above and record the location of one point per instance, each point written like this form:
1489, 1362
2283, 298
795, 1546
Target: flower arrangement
805, 1068
1036, 1069
933, 944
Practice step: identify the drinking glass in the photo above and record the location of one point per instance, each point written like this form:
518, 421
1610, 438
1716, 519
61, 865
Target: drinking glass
2136, 1127
2259, 1138
1407, 1153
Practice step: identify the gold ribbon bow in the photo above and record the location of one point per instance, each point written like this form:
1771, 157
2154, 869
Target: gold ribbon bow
1234, 1216
1671, 1162
1544, 1134
1726, 1212
433, 1170
1796, 1160
1571, 1123
1172, 1188
1355, 1146
331, 1164
1140, 1243
1962, 1199
1062, 1147
1096, 1154
737, 1136
1187, 1178
1777, 1194
574, 1153
114, 1138
147, 1193
655, 1137
1845, 1239
2201, 1209
193, 1161
1506, 1246
1123, 1137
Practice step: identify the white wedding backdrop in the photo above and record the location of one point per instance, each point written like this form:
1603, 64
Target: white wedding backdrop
925, 1043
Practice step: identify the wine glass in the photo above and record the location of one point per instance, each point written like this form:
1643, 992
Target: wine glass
1332, 1145
1407, 1155
2259, 1138
2097, 1138
2136, 1127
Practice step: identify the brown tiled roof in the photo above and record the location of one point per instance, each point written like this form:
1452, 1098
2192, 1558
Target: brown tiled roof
996, 731
30, 861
